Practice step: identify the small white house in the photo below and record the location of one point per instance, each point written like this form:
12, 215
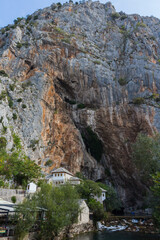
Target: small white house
31, 187
102, 197
61, 176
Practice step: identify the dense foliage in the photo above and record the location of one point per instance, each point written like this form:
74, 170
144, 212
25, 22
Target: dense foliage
156, 197
88, 189
61, 207
15, 165
146, 155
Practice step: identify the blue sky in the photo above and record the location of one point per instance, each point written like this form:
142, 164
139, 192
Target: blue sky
11, 9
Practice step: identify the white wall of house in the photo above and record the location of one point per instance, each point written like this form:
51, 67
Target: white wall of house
31, 188
101, 198
84, 213
60, 178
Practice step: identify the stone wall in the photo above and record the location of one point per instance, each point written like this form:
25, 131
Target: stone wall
7, 194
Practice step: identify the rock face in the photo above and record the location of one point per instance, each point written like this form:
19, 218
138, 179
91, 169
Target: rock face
80, 82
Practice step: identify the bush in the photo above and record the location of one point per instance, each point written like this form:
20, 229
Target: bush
13, 199
19, 100
138, 101
49, 163
29, 17
10, 102
35, 17
19, 45
3, 95
3, 143
24, 106
115, 15
11, 86
81, 106
123, 17
3, 73
141, 24
14, 116
122, 81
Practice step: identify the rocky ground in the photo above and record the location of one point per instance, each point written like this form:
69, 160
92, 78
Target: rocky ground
144, 225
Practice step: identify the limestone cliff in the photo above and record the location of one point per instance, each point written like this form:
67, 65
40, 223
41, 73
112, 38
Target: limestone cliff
78, 83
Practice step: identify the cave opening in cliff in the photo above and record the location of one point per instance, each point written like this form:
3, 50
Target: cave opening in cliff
93, 144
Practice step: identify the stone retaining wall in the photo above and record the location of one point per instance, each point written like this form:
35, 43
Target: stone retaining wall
6, 194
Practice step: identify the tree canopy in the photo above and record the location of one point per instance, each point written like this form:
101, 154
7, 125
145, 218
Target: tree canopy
15, 165
146, 155
156, 197
61, 206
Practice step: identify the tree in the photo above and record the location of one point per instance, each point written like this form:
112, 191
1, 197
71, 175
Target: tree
87, 189
156, 197
61, 210
15, 165
146, 155
97, 209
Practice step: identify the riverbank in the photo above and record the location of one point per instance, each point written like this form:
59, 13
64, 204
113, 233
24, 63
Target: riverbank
140, 224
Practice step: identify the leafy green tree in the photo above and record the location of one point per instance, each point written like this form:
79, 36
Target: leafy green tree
87, 189
16, 165
156, 197
146, 155
61, 206
25, 217
97, 209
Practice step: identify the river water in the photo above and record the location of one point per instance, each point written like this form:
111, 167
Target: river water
104, 235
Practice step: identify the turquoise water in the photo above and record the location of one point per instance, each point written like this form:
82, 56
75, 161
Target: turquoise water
117, 236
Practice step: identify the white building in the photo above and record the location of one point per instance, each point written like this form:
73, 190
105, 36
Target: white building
61, 176
102, 197
31, 188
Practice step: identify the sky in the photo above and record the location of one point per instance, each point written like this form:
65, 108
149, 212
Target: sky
11, 9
